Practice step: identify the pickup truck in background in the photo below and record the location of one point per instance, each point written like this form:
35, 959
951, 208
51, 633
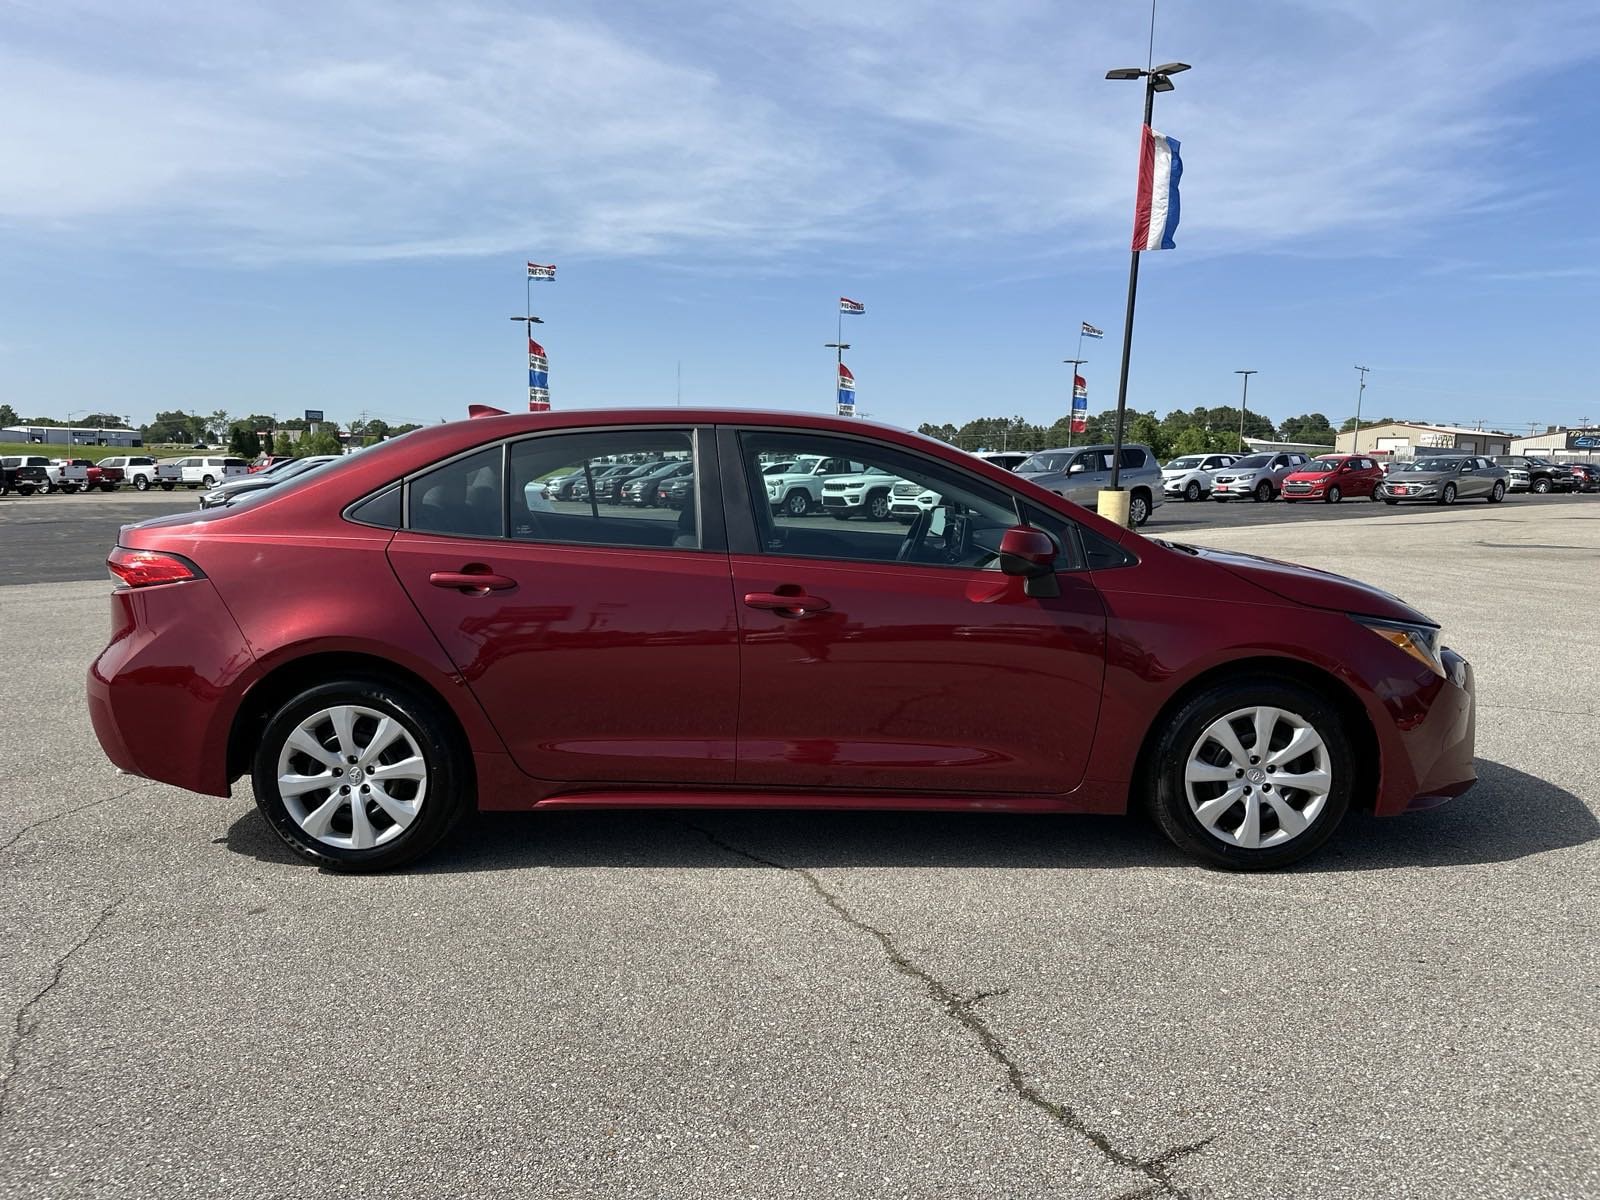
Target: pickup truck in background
24, 474
137, 470
71, 475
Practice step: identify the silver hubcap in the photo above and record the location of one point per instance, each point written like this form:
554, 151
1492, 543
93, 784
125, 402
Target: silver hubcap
352, 777
1258, 777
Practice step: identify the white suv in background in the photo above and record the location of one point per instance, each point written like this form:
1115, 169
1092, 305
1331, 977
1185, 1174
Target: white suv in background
1190, 476
138, 470
1257, 476
798, 491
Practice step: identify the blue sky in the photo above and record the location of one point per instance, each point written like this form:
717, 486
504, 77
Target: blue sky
268, 208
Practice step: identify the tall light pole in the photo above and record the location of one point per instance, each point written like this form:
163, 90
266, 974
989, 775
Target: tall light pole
1355, 434
1156, 79
1244, 401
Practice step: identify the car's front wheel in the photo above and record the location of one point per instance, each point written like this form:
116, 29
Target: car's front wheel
798, 503
1252, 773
1541, 486
1192, 492
361, 774
1334, 496
1263, 492
1448, 496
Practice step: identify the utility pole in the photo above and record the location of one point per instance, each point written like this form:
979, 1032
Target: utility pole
1244, 403
1355, 434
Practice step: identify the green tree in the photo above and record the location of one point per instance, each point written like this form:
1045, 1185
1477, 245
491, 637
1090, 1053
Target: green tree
1310, 427
324, 441
243, 440
171, 426
399, 429
1192, 440
1350, 423
945, 432
103, 421
8, 415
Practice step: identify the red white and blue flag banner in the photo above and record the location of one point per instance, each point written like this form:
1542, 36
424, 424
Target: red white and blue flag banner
539, 271
847, 392
1080, 404
538, 378
851, 308
1090, 331
1155, 213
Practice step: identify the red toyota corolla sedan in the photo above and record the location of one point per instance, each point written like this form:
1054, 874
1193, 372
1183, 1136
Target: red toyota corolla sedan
436, 623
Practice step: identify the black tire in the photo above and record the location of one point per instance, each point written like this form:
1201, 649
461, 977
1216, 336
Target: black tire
1166, 793
1542, 486
110, 486
1497, 494
167, 487
1448, 495
1263, 492
208, 482
1138, 509
141, 483
1192, 492
877, 506
449, 780
797, 503
1391, 502
841, 516
44, 489
1334, 496
27, 489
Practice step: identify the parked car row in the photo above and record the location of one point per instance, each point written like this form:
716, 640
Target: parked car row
26, 474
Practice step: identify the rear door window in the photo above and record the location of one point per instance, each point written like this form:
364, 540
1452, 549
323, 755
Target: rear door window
461, 498
1132, 457
547, 504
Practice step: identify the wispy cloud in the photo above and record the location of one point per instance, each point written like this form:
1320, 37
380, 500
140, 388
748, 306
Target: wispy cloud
361, 130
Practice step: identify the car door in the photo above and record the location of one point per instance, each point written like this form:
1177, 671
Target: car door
602, 643
1084, 486
864, 668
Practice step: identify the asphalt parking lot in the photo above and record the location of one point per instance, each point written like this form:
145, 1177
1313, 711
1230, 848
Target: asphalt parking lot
779, 1004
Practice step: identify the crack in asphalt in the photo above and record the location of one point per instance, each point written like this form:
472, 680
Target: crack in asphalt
23, 1029
26, 829
961, 1008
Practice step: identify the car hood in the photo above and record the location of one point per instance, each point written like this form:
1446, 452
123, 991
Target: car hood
835, 481
1308, 476
1311, 587
1174, 472
1419, 476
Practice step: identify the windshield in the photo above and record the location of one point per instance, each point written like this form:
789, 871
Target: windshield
1038, 464
1252, 460
1187, 463
777, 468
1321, 466
1429, 464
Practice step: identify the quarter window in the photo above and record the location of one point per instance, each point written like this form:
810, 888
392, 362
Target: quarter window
626, 487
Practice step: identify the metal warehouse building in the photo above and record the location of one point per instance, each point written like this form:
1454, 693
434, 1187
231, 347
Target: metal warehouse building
70, 435
1407, 439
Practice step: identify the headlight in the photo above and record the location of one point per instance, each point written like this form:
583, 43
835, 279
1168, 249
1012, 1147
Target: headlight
1420, 641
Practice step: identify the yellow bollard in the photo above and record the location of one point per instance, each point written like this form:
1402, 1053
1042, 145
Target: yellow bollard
1113, 506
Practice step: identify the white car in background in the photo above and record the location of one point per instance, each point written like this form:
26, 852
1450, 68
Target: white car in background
866, 494
138, 470
799, 491
1190, 476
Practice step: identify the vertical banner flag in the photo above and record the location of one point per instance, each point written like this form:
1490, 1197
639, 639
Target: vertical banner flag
1155, 211
1080, 404
1089, 331
538, 378
851, 308
847, 392
536, 271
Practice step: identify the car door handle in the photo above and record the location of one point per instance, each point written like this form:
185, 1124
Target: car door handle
795, 604
472, 578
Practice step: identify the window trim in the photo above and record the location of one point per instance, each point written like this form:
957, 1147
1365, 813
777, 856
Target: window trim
743, 535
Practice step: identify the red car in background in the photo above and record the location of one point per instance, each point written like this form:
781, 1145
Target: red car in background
454, 634
1333, 477
1585, 477
267, 461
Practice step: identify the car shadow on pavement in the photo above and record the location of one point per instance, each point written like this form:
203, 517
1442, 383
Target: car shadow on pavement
1508, 816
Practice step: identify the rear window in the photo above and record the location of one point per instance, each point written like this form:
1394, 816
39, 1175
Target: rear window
1132, 456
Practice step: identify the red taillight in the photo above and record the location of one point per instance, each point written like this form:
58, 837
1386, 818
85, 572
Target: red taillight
146, 568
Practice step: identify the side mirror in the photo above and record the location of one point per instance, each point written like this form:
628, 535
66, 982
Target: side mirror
1031, 554
1076, 469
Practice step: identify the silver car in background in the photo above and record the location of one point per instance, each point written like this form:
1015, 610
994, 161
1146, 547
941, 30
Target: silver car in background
1189, 477
1444, 480
1080, 473
1257, 476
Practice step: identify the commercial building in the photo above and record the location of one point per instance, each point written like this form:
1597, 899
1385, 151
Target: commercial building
70, 435
1560, 444
1409, 439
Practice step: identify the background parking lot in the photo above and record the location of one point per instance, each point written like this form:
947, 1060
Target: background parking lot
765, 1004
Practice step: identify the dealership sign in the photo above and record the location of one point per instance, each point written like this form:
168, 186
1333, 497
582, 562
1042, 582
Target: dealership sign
1583, 439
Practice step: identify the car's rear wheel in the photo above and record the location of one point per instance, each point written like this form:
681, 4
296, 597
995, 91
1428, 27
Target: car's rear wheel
1192, 492
1138, 509
878, 506
797, 503
1263, 492
1448, 496
141, 483
1334, 495
167, 487
208, 481
1498, 494
1252, 774
361, 774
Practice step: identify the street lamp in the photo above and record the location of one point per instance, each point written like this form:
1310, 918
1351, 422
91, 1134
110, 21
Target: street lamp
1157, 79
1243, 403
1355, 434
